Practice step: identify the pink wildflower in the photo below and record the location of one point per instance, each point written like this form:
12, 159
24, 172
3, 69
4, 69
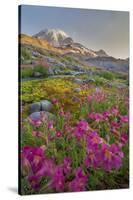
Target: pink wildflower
124, 138
79, 182
80, 129
58, 180
58, 134
50, 125
67, 165
124, 119
37, 133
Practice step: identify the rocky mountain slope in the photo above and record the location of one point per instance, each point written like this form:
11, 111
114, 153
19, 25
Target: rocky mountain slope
60, 39
59, 43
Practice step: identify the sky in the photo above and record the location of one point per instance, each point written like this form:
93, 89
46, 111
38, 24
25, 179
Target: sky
96, 29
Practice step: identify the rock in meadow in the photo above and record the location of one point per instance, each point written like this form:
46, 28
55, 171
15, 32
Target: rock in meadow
35, 107
46, 105
50, 72
121, 86
89, 81
78, 81
37, 74
61, 65
77, 67
38, 115
77, 90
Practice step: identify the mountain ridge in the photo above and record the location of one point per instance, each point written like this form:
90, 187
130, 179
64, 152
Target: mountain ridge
60, 39
68, 47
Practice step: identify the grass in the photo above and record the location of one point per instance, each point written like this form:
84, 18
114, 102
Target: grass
25, 54
29, 72
26, 72
41, 69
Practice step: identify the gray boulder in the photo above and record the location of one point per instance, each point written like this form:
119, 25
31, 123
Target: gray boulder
38, 115
46, 105
77, 67
50, 72
37, 74
35, 53
89, 81
77, 90
79, 73
55, 72
35, 107
68, 73
78, 81
50, 60
121, 86
61, 65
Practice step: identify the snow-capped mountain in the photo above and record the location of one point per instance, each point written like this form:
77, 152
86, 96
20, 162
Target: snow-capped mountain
60, 39
59, 42
67, 47
53, 36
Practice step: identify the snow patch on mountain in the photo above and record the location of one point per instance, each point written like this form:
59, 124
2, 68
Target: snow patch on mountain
53, 36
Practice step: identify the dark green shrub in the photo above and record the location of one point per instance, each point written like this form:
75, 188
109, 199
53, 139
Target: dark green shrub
107, 75
41, 69
25, 54
99, 81
26, 72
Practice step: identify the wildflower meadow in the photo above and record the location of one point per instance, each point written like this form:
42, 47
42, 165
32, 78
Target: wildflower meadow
83, 146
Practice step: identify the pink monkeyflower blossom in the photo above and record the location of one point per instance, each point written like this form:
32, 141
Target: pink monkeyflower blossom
37, 133
93, 140
80, 129
79, 182
58, 180
34, 181
98, 117
124, 138
35, 122
82, 125
115, 110
55, 101
111, 156
67, 165
106, 115
91, 115
92, 159
47, 168
58, 134
115, 125
99, 96
124, 119
50, 125
34, 155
